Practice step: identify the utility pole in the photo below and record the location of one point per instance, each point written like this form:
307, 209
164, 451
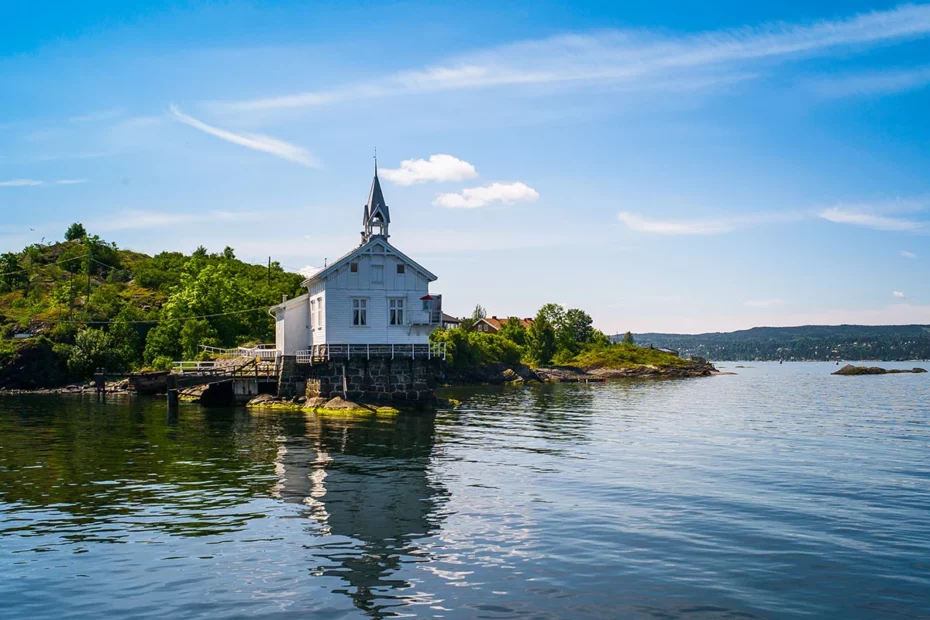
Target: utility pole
87, 298
71, 297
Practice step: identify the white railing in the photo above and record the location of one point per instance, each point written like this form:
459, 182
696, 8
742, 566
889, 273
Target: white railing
265, 352
196, 367
326, 352
425, 317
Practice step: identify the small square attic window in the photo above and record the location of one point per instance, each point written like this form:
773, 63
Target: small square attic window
353, 267
400, 268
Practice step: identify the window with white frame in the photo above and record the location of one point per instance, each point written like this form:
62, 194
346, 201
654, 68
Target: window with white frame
313, 319
360, 312
377, 274
319, 313
396, 307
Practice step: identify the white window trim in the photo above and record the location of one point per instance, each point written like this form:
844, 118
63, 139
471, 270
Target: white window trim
367, 308
403, 309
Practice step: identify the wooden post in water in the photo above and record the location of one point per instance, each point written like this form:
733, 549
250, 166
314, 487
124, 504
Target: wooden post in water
172, 392
100, 382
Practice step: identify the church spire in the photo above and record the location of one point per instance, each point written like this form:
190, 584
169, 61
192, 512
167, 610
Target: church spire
377, 216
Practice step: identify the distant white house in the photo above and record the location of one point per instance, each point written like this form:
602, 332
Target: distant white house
373, 298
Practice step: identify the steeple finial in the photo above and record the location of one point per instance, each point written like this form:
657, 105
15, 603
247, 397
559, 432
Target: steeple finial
376, 161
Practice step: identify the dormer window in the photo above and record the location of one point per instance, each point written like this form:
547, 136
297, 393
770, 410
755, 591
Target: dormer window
400, 269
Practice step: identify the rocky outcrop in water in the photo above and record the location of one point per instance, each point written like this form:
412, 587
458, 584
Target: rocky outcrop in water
695, 368
494, 374
850, 370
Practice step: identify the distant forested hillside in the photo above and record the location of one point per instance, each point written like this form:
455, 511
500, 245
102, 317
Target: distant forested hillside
809, 342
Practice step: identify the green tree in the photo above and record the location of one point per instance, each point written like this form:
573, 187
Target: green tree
628, 338
229, 253
75, 232
91, 350
468, 323
540, 338
513, 330
578, 326
556, 316
13, 277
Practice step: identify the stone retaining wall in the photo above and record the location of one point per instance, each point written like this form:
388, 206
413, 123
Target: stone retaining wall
373, 381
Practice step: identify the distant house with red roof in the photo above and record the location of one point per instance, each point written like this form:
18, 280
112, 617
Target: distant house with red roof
493, 324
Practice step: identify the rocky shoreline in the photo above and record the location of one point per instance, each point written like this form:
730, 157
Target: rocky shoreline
112, 387
493, 374
514, 374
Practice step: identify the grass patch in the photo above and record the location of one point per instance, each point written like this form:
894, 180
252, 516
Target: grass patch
624, 356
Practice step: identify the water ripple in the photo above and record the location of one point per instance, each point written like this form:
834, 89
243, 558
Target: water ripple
779, 492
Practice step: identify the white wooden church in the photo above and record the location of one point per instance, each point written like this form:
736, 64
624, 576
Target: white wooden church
373, 301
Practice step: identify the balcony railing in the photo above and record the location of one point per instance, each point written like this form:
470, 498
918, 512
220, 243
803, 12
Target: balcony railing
425, 317
326, 352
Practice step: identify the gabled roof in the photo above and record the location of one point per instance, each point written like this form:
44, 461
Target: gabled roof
498, 323
362, 249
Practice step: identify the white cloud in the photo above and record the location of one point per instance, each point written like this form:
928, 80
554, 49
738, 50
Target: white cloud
862, 217
20, 183
898, 295
885, 82
907, 254
637, 58
309, 270
708, 226
669, 227
256, 142
96, 117
146, 220
763, 303
474, 197
35, 183
436, 168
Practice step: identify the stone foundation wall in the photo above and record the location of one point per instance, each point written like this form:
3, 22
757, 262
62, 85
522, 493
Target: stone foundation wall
293, 379
372, 381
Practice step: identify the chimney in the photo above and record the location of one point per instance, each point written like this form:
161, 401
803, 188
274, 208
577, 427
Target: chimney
283, 298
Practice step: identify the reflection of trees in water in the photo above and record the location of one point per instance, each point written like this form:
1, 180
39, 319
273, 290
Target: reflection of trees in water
97, 464
562, 411
366, 484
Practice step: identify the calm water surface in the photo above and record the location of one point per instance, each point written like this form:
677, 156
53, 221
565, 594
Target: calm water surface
779, 492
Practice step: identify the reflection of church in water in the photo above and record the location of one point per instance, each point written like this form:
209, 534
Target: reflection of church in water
366, 485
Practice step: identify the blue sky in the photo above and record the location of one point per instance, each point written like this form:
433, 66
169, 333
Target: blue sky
665, 166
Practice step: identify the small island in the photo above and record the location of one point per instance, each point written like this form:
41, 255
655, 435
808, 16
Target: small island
849, 370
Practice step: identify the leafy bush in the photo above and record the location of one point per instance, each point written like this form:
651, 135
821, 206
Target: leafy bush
466, 349
91, 350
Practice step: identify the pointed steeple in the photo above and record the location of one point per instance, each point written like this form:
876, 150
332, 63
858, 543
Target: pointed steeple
377, 216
